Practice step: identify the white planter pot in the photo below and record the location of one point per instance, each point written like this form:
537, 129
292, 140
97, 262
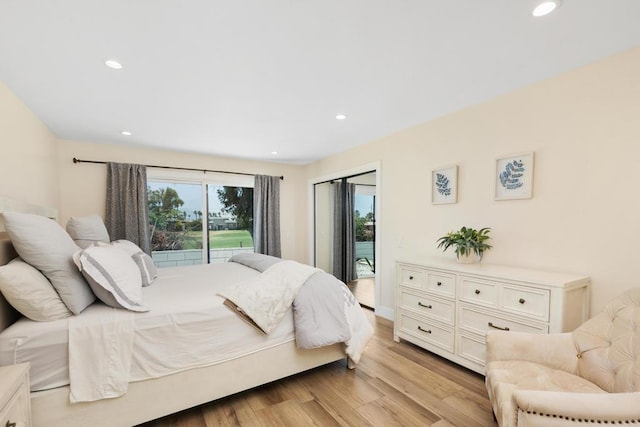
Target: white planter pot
468, 259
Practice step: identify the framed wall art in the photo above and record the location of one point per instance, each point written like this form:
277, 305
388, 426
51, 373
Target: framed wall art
514, 177
444, 185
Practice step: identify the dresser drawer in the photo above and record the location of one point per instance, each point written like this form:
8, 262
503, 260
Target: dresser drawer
412, 277
479, 291
427, 332
429, 306
526, 302
473, 348
441, 283
473, 320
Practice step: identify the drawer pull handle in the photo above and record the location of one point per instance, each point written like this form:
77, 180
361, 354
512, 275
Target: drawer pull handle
410, 277
10, 424
425, 306
506, 328
424, 330
439, 283
521, 301
477, 291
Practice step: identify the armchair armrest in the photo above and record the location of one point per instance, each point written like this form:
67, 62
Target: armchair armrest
554, 350
537, 407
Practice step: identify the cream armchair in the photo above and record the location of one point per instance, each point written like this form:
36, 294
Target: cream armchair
591, 375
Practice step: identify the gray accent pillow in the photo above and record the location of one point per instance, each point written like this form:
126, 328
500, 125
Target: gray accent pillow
29, 292
87, 230
112, 275
259, 262
45, 245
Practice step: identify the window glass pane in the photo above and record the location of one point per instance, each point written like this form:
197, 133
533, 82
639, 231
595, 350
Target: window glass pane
175, 219
365, 238
230, 221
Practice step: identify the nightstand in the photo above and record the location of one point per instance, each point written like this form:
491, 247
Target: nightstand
15, 405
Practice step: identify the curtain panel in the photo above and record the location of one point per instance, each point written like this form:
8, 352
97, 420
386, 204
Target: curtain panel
344, 232
266, 215
127, 207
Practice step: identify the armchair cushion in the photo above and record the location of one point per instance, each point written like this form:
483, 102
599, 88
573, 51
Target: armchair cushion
505, 377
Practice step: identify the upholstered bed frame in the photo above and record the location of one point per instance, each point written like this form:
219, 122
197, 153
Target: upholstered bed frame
151, 399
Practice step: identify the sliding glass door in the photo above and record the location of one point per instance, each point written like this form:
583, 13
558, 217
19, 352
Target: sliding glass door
199, 221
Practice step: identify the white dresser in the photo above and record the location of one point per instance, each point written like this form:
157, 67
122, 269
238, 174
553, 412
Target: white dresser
447, 307
15, 406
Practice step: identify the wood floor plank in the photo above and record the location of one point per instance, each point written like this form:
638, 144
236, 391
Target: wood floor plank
406, 404
394, 384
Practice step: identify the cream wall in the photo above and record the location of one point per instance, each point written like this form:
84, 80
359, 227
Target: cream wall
83, 185
584, 127
29, 150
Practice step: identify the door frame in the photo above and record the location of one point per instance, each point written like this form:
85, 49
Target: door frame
369, 167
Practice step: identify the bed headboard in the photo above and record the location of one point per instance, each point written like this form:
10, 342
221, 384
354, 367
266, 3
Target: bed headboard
8, 314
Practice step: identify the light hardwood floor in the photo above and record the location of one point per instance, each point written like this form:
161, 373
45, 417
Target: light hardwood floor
365, 291
395, 384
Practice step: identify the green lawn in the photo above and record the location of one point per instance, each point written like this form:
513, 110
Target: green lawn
230, 239
219, 239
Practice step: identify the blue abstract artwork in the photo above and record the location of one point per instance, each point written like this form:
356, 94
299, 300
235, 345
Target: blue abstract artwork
443, 185
514, 177
511, 176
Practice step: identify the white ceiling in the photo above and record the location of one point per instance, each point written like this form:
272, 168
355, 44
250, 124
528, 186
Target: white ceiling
244, 78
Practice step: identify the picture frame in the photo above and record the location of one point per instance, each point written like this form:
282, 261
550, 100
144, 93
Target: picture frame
444, 185
514, 177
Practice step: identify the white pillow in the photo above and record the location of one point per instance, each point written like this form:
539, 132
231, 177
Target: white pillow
45, 245
87, 230
112, 275
148, 269
29, 292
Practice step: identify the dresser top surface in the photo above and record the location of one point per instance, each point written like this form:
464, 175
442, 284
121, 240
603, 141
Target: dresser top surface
495, 271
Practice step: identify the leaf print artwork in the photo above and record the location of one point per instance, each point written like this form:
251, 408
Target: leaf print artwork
442, 184
511, 176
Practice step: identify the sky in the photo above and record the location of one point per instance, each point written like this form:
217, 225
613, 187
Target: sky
191, 195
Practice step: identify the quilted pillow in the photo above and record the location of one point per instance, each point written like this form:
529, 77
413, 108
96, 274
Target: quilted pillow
87, 230
45, 245
112, 275
29, 292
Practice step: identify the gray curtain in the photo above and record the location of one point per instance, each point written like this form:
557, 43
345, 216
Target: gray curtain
344, 232
266, 215
127, 210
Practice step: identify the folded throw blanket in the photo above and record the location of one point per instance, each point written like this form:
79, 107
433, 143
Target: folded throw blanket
264, 300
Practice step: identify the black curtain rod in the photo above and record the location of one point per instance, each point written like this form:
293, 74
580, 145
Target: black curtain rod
76, 160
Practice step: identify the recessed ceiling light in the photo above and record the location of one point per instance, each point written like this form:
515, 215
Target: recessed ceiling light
125, 133
113, 64
341, 116
545, 8
275, 153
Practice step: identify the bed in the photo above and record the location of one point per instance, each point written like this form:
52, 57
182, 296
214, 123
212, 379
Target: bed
154, 393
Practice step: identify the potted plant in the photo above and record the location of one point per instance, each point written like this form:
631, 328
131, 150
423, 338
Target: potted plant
469, 244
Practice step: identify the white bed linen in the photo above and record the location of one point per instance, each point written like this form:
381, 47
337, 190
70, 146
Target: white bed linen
187, 326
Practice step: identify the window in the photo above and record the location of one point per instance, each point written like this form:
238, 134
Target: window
365, 219
197, 219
